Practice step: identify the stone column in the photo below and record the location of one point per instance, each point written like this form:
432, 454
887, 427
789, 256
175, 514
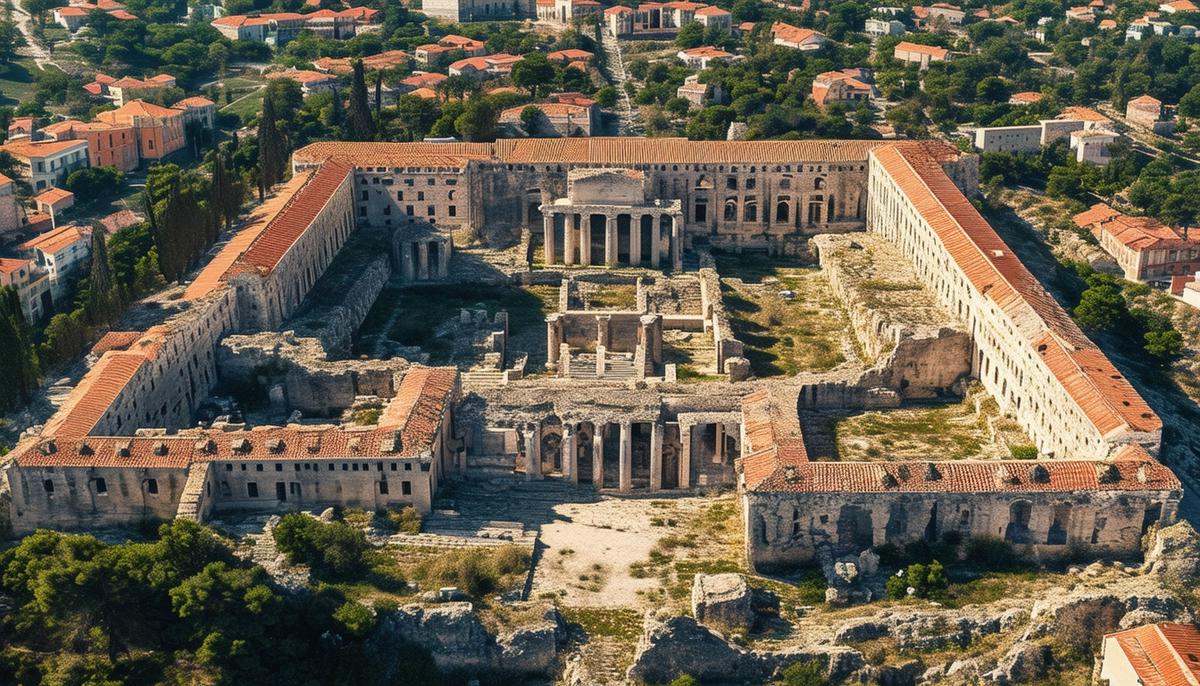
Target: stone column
444, 257
626, 466
610, 241
677, 241
533, 458
635, 240
554, 336
685, 456
602, 330
548, 237
423, 260
406, 261
585, 238
656, 439
719, 443
598, 456
569, 239
655, 248
570, 453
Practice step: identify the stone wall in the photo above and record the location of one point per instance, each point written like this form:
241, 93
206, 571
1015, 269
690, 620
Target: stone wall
334, 325
726, 345
93, 497
785, 529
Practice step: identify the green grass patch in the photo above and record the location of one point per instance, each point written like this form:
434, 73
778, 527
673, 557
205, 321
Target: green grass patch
16, 81
620, 623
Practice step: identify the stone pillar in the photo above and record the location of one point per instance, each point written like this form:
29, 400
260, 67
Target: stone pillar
447, 247
554, 337
564, 360
610, 241
635, 240
548, 237
585, 239
533, 458
677, 242
569, 239
655, 248
718, 443
601, 355
406, 261
685, 456
423, 260
626, 466
602, 330
656, 439
598, 456
570, 453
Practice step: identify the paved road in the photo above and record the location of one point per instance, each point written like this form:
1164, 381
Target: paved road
41, 57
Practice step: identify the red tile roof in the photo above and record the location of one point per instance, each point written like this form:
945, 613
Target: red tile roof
54, 240
115, 340
934, 52
94, 395
1137, 233
8, 265
1105, 397
25, 148
282, 232
1164, 654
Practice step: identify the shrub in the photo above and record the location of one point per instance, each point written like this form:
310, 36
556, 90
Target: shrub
1024, 452
355, 619
406, 520
477, 572
992, 553
333, 549
802, 674
684, 680
925, 580
95, 182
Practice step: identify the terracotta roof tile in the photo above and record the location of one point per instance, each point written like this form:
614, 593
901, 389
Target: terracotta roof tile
54, 240
94, 395
1164, 654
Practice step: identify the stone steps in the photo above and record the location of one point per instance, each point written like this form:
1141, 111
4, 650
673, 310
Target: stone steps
482, 379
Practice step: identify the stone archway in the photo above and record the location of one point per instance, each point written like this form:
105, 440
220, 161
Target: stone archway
551, 446
583, 452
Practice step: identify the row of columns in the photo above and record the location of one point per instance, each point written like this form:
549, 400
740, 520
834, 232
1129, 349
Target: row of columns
569, 448
581, 237
424, 270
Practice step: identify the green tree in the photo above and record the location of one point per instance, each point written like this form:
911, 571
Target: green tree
530, 116
691, 35
66, 338
272, 149
361, 126
533, 72
1164, 345
19, 369
478, 120
92, 183
1100, 308
104, 302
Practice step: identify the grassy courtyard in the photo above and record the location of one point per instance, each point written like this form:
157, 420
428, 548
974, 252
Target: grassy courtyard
16, 81
809, 333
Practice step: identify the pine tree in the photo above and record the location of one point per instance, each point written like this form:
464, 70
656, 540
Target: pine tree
378, 93
336, 116
362, 126
272, 150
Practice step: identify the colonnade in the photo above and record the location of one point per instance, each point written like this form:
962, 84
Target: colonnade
577, 236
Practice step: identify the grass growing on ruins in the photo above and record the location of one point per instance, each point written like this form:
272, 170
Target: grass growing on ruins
612, 297
417, 315
953, 431
623, 624
476, 571
784, 337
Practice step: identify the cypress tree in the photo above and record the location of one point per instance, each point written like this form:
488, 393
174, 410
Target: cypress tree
272, 152
103, 303
378, 93
362, 126
19, 372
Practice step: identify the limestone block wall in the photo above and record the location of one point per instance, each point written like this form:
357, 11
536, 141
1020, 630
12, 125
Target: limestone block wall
727, 346
92, 497
339, 322
440, 196
785, 529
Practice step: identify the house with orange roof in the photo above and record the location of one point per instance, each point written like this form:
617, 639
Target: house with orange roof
432, 53
199, 110
846, 86
22, 127
277, 28
310, 81
47, 163
420, 79
59, 252
715, 16
704, 56
482, 67
920, 55
470, 46
159, 130
1082, 13
128, 88
562, 115
939, 13
661, 19
343, 66
1161, 654
1108, 24
31, 284
54, 201
1146, 249
700, 94
796, 38
1025, 98
109, 145
570, 55
463, 11
1147, 112
243, 27
1176, 6
73, 17
566, 12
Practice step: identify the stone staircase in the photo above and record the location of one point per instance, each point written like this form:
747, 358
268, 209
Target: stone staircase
482, 380
618, 366
629, 116
193, 492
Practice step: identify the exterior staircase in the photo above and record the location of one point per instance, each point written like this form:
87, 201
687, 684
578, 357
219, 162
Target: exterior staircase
617, 366
482, 380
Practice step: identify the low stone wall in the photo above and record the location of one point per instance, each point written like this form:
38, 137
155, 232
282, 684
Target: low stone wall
335, 325
726, 345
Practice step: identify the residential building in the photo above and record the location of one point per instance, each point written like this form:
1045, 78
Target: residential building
484, 67
570, 55
22, 127
1083, 14
127, 89
459, 11
310, 81
1162, 654
31, 284
59, 252
54, 201
703, 57
47, 163
420, 79
567, 12
700, 94
471, 47
1147, 111
847, 86
277, 28
1145, 248
797, 38
1094, 145
715, 16
344, 66
884, 27
10, 207
922, 55
662, 19
938, 14
198, 109
159, 129
108, 145
1178, 6
1025, 98
562, 115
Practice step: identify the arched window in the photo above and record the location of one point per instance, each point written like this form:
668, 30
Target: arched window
819, 184
731, 211
751, 213
782, 211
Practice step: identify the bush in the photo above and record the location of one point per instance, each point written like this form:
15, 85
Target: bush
91, 183
802, 674
925, 580
405, 520
992, 553
684, 680
333, 549
475, 571
1024, 452
355, 619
